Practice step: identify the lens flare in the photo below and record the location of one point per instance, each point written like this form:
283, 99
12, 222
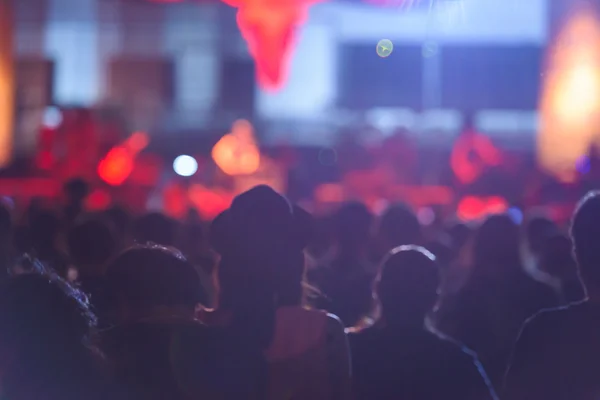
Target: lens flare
570, 103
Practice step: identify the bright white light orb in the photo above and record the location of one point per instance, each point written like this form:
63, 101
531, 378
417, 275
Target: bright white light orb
185, 165
52, 117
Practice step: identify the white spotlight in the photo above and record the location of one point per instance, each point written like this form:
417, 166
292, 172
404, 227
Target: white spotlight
185, 165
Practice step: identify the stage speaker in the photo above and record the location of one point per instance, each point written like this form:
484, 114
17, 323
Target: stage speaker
34, 82
237, 89
34, 92
143, 87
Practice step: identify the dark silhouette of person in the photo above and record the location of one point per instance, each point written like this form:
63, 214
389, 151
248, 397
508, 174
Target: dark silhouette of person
75, 191
157, 348
536, 230
398, 226
398, 358
44, 232
460, 234
156, 228
261, 239
346, 280
488, 311
193, 242
557, 355
121, 221
45, 326
91, 244
7, 248
556, 259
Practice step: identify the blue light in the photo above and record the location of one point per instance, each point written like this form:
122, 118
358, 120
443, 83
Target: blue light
583, 165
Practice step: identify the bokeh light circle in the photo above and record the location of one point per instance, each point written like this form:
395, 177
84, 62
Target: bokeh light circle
185, 165
384, 48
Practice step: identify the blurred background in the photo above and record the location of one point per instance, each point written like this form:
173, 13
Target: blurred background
483, 105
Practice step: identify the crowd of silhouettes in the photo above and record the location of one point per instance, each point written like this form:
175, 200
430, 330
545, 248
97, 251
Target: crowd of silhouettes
270, 302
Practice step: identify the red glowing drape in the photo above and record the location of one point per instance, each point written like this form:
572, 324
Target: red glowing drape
269, 28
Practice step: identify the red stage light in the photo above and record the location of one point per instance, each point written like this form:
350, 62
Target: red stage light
269, 28
98, 200
118, 164
473, 208
116, 167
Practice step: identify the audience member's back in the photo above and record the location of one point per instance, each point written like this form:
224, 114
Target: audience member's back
261, 239
44, 324
398, 358
557, 356
157, 347
346, 280
498, 297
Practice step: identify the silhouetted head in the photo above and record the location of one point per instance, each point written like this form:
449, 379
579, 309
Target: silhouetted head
76, 190
155, 228
260, 238
353, 223
408, 285
496, 247
459, 233
537, 230
585, 233
151, 280
400, 226
91, 244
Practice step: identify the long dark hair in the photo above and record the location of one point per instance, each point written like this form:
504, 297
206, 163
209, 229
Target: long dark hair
44, 328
